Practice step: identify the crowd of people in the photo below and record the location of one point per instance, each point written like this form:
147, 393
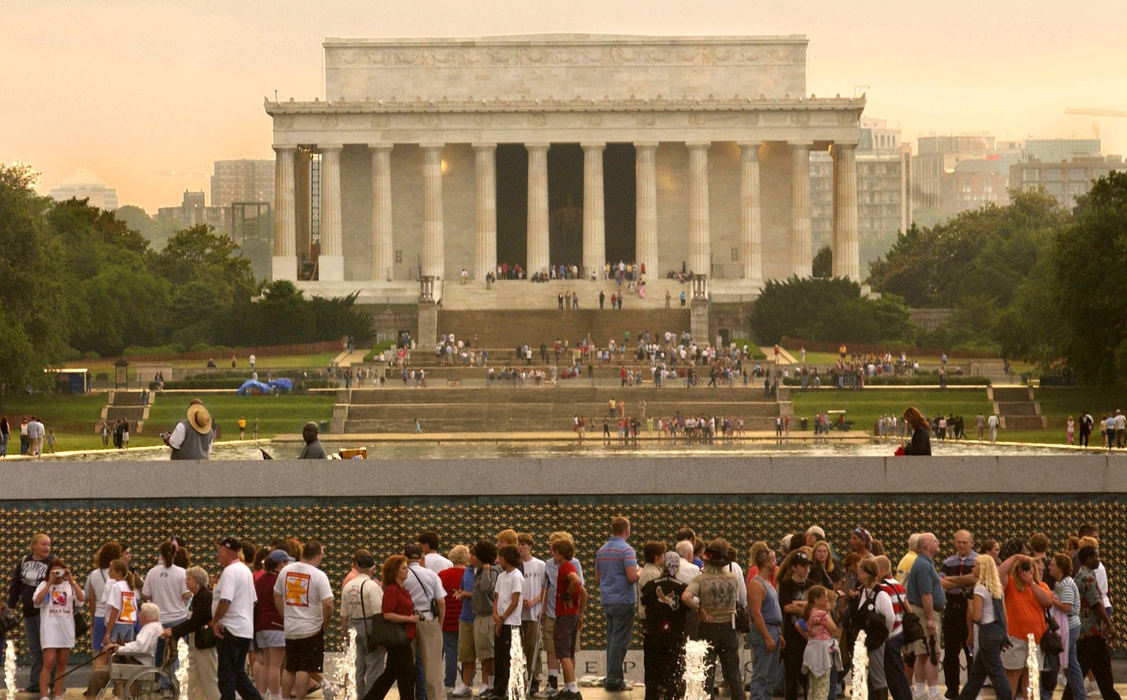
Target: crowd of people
35, 438
258, 628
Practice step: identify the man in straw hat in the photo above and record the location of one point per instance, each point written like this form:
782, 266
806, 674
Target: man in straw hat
192, 437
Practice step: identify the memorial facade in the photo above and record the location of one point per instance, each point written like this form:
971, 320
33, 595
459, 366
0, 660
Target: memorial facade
430, 156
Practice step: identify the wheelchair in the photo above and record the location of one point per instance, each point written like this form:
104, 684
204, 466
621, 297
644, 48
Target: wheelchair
139, 682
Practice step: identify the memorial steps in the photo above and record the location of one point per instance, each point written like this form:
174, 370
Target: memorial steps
504, 328
1016, 408
522, 294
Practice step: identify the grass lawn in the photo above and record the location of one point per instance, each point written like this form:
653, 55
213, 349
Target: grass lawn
105, 364
865, 407
74, 418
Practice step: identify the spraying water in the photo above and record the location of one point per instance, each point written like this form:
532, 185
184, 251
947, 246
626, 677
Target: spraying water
346, 669
182, 669
860, 668
10, 669
1033, 662
695, 652
517, 668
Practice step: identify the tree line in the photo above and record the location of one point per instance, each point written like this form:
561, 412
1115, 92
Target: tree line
1030, 280
77, 281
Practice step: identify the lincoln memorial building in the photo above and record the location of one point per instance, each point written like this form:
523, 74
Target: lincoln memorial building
426, 157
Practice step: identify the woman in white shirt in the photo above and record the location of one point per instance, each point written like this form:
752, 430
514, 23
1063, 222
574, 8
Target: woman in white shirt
95, 591
55, 599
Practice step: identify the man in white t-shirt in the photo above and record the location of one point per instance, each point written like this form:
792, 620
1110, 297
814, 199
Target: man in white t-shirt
304, 599
165, 585
506, 615
533, 590
232, 618
432, 560
992, 423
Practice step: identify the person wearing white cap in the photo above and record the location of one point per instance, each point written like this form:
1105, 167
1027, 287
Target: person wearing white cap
192, 437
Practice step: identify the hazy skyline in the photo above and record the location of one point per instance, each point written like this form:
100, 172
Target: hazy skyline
147, 94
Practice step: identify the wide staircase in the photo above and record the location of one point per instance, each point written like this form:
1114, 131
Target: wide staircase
133, 406
522, 294
504, 407
1016, 408
506, 330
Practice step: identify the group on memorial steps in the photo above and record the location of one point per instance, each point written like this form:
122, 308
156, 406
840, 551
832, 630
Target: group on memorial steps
1018, 614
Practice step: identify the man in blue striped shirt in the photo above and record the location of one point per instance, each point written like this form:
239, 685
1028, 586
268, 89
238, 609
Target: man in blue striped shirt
616, 568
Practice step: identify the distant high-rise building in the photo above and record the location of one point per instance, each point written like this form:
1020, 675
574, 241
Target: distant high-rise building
242, 181
1059, 150
1066, 181
883, 177
936, 157
192, 212
82, 184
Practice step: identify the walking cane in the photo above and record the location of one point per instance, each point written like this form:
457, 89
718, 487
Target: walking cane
535, 659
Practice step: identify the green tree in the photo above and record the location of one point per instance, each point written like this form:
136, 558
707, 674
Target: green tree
827, 309
198, 253
822, 265
31, 289
1088, 262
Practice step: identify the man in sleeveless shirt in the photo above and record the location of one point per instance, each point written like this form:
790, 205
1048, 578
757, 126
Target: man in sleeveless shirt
192, 437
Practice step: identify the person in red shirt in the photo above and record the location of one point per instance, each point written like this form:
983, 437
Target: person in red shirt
571, 598
397, 607
452, 581
269, 637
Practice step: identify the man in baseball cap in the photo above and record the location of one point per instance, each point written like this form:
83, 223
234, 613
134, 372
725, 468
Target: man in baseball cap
192, 437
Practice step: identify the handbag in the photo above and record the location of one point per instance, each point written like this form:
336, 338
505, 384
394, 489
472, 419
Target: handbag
205, 638
910, 623
743, 619
385, 633
81, 624
1051, 642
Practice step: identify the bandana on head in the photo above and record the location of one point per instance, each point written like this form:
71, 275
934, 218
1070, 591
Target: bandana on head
672, 563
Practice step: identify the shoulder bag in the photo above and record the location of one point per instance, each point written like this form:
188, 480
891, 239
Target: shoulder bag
876, 631
1051, 642
433, 600
743, 617
910, 623
383, 632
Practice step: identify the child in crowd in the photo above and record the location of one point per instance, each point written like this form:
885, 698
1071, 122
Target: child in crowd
821, 655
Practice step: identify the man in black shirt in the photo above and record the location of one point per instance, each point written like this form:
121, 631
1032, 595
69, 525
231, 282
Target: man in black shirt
792, 598
665, 632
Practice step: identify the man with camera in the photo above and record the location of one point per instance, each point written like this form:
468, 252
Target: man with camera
192, 437
429, 598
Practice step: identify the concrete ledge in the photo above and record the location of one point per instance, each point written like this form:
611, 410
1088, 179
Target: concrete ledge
564, 476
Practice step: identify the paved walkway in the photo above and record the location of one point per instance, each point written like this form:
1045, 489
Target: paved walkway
347, 359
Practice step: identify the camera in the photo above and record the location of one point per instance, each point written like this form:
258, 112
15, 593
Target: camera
59, 575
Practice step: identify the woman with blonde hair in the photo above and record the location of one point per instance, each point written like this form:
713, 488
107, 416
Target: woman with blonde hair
988, 611
921, 437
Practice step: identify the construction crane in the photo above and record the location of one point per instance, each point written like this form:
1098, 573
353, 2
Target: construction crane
1097, 112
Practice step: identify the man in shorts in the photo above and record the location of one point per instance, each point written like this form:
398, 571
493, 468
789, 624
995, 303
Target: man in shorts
551, 572
304, 599
571, 598
483, 560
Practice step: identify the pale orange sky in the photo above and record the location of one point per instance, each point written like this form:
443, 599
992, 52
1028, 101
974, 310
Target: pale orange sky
146, 94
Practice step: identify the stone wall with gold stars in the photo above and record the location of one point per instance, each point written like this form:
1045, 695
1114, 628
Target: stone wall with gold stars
384, 524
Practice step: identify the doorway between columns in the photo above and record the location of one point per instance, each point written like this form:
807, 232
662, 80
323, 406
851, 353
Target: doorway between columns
565, 203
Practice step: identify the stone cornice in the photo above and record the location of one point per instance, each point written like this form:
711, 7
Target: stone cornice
685, 104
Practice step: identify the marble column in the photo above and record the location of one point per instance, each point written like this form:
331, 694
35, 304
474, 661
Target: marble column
284, 263
846, 242
538, 250
485, 220
383, 254
594, 222
700, 253
434, 263
330, 265
801, 259
645, 230
751, 220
